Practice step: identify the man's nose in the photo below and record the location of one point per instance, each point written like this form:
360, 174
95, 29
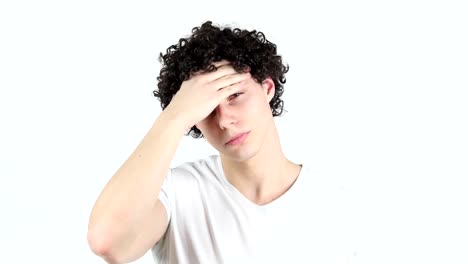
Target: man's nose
225, 116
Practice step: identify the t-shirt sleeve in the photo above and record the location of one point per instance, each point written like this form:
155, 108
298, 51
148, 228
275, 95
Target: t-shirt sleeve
164, 194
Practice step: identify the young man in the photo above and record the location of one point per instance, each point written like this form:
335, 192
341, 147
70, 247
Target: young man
250, 203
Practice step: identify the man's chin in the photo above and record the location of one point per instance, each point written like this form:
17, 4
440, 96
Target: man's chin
237, 155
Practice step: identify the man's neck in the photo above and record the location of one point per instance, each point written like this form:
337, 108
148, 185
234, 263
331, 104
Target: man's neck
264, 177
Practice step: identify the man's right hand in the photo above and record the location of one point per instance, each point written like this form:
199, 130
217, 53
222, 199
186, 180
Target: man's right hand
203, 92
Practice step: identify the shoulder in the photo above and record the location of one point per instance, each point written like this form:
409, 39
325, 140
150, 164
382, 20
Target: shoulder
199, 165
190, 182
200, 169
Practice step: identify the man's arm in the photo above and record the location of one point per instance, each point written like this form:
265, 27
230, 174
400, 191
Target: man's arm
128, 219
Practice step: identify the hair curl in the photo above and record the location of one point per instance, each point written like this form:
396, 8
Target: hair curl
209, 44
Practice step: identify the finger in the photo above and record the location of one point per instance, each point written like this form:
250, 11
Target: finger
220, 63
229, 64
222, 71
209, 76
230, 80
225, 92
216, 64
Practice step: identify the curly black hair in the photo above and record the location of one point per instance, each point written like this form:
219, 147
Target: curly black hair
208, 44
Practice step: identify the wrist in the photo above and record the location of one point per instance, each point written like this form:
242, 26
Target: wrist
174, 121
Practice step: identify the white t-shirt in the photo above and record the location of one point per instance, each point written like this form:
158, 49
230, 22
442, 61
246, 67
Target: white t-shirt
210, 221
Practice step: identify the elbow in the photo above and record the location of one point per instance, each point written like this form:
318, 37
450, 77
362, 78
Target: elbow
100, 245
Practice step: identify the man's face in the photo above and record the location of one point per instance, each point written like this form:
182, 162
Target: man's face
246, 113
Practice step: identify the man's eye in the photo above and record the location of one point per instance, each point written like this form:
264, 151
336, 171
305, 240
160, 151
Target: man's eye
234, 96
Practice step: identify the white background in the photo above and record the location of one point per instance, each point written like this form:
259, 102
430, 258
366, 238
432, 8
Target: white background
376, 99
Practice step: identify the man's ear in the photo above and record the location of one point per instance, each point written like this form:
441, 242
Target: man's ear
268, 88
